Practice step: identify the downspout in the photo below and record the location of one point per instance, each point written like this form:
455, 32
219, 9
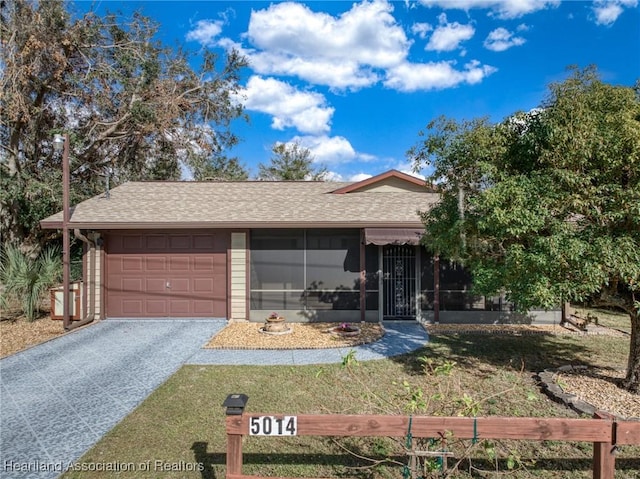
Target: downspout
89, 317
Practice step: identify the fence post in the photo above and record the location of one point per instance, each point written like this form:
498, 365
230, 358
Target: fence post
604, 460
235, 404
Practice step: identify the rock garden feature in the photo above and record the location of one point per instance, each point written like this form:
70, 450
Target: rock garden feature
345, 330
275, 324
248, 335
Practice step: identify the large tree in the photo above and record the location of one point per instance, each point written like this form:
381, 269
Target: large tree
546, 204
132, 107
291, 161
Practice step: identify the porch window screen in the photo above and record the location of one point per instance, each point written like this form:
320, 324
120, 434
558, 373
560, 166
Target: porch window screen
455, 292
277, 269
305, 269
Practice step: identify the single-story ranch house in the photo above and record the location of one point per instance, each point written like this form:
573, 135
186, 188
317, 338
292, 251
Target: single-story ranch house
310, 251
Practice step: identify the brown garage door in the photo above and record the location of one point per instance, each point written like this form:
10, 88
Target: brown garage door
166, 274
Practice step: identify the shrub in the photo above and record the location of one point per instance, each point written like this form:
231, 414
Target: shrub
26, 280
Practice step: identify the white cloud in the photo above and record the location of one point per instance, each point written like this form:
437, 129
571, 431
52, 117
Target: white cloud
341, 52
354, 50
205, 32
336, 74
303, 110
448, 36
410, 77
502, 39
608, 11
406, 167
500, 8
421, 29
360, 177
331, 149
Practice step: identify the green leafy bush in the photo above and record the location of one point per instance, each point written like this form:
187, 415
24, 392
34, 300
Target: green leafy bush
25, 280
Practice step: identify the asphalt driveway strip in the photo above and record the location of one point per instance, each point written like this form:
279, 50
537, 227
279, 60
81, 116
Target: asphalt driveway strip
59, 398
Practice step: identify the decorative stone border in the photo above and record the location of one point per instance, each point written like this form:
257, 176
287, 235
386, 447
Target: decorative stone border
554, 391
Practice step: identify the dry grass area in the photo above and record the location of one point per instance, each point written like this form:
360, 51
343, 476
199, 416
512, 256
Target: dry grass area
514, 329
598, 386
519, 329
17, 333
302, 336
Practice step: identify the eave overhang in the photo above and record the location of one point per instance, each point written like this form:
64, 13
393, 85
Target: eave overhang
227, 225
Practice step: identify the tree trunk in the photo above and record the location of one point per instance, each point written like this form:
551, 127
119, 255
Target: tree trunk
632, 381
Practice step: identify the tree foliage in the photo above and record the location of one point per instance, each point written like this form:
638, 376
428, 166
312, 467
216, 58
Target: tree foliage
546, 204
131, 106
291, 162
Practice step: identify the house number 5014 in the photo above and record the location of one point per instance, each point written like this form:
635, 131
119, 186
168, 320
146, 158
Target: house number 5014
273, 426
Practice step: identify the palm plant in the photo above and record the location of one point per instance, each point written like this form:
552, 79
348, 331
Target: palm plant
25, 279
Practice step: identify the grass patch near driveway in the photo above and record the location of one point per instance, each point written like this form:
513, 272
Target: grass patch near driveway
180, 427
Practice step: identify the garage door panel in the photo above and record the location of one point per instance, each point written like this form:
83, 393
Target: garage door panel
156, 263
201, 307
127, 265
203, 285
131, 285
203, 242
180, 263
131, 242
158, 242
132, 264
180, 285
156, 285
180, 242
181, 307
156, 307
203, 263
160, 275
132, 307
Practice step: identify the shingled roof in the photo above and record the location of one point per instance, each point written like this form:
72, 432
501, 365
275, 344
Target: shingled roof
392, 200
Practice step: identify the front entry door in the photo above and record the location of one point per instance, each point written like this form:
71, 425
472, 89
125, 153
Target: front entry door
399, 281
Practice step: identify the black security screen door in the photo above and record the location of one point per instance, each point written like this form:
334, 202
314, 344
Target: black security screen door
399, 268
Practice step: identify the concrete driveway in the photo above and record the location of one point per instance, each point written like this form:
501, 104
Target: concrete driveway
59, 398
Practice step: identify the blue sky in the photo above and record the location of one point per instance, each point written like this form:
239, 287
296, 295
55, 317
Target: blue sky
355, 82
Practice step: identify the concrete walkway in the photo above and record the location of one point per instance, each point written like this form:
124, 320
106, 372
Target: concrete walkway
59, 398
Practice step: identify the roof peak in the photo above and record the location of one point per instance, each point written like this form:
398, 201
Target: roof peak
387, 176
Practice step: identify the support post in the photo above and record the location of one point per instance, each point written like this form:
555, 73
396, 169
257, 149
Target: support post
436, 289
235, 404
363, 278
604, 459
66, 248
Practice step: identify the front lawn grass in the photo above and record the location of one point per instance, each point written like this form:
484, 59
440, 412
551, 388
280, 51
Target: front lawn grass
181, 425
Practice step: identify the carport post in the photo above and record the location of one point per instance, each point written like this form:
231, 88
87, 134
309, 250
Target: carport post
61, 142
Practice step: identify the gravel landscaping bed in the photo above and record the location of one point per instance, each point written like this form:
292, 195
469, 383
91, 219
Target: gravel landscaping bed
599, 388
302, 336
18, 334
